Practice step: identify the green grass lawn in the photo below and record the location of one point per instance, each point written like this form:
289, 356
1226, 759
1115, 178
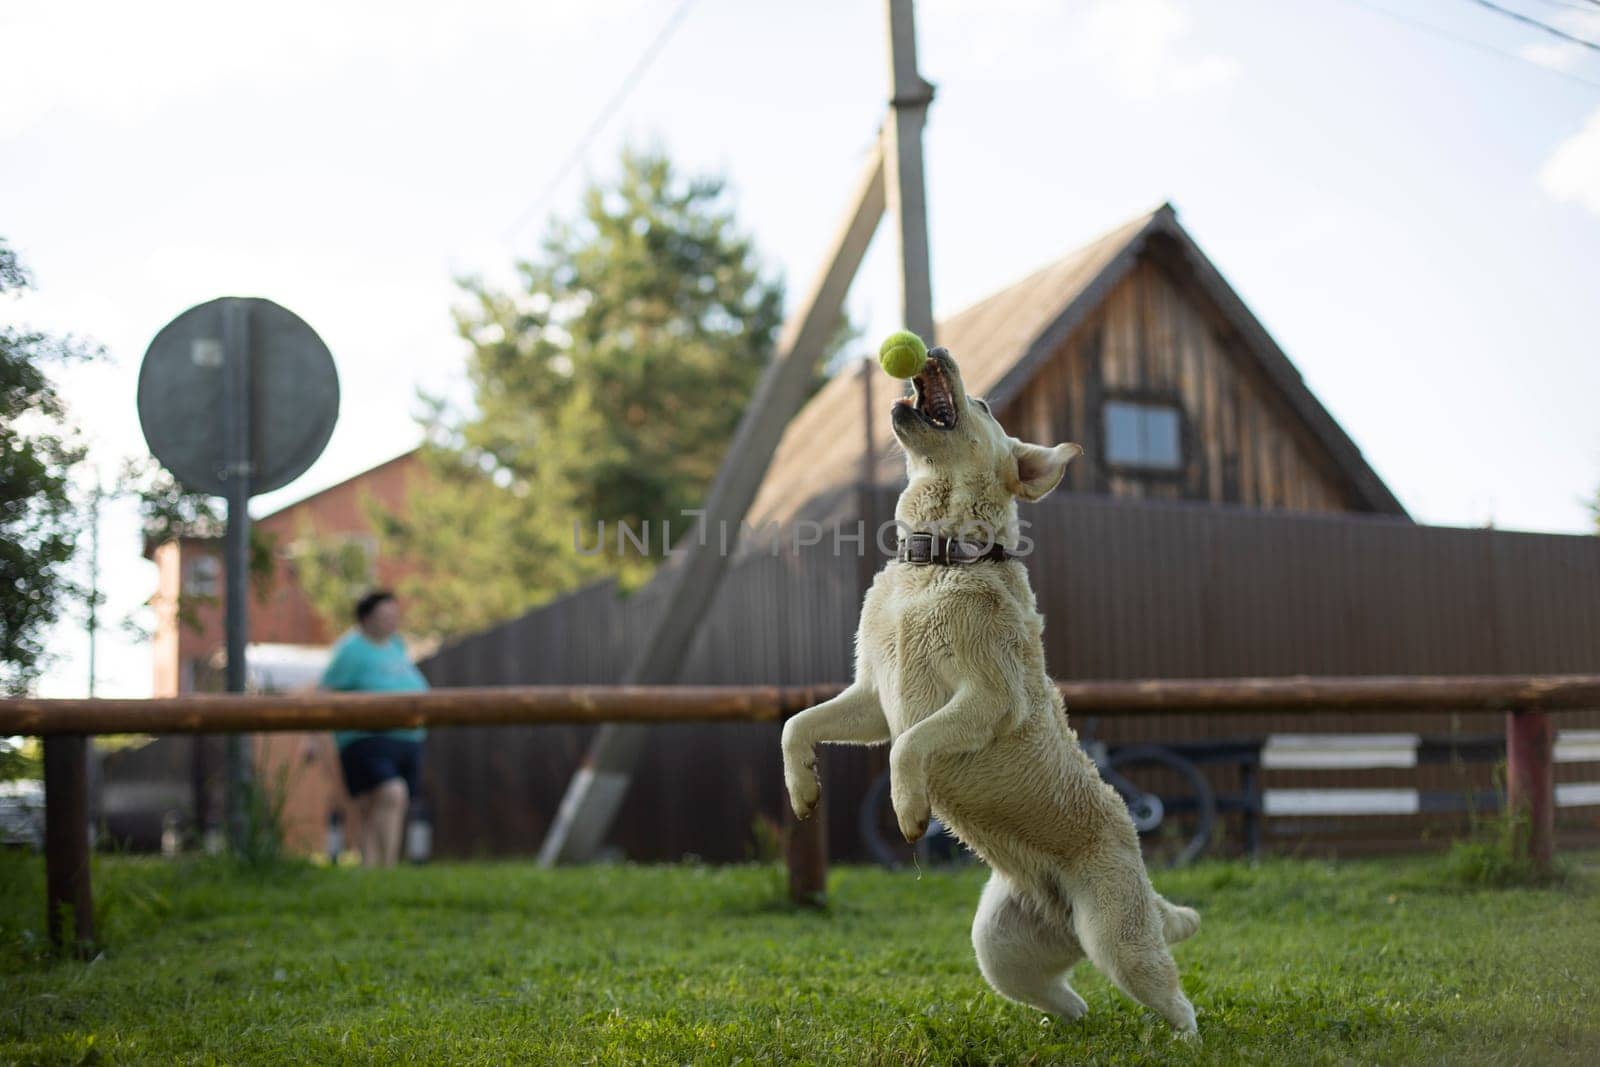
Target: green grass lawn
1296, 963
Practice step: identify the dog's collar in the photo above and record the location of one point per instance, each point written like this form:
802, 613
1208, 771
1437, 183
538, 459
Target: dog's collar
930, 549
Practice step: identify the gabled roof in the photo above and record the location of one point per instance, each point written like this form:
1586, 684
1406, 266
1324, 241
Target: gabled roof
408, 456
214, 531
1003, 340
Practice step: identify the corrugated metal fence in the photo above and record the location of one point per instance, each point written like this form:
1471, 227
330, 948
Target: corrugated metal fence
1129, 590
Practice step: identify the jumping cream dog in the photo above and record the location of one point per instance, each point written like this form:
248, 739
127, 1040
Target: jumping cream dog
950, 668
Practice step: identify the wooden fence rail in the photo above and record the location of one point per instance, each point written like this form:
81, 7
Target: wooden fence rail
592, 704
66, 724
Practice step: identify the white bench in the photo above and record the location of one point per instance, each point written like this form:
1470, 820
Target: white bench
1374, 751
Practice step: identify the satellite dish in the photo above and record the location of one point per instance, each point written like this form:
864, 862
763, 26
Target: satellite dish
291, 387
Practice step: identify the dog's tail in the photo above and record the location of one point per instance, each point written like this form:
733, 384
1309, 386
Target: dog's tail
1177, 922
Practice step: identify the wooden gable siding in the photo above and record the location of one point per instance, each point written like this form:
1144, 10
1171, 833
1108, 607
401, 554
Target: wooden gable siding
1155, 338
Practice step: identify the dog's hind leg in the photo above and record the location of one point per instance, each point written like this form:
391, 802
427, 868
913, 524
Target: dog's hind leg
1122, 930
1023, 954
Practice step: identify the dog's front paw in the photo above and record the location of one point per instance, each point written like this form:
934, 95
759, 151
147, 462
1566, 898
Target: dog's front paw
804, 787
910, 808
800, 772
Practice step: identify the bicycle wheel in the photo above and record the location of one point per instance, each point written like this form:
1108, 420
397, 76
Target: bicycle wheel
880, 831
1172, 804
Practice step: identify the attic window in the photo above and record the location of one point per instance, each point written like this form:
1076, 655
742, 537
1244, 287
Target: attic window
1144, 434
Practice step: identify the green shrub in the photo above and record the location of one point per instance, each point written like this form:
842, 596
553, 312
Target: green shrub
262, 843
1496, 854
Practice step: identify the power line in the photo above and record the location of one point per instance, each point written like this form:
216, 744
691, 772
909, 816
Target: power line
629, 82
1439, 31
1529, 20
1574, 5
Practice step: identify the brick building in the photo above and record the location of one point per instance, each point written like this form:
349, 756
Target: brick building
287, 643
192, 568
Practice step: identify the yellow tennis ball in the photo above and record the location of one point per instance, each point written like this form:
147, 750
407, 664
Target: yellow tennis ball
902, 354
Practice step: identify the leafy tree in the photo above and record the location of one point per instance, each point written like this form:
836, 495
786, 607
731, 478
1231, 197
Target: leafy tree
333, 571
22, 757
39, 523
606, 386
476, 548
168, 511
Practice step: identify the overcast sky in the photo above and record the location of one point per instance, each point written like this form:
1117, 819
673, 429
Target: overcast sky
1415, 218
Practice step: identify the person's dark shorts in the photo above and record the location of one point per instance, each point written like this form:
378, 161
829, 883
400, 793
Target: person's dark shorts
368, 762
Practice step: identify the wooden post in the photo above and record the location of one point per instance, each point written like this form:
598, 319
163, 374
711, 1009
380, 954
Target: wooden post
866, 489
596, 791
1530, 781
909, 97
66, 843
806, 853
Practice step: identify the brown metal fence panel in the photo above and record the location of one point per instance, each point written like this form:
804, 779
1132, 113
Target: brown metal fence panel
1129, 590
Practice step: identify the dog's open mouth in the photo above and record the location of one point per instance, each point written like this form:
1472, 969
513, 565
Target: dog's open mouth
932, 398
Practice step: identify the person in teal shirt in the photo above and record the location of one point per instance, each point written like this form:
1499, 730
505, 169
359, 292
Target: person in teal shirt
382, 769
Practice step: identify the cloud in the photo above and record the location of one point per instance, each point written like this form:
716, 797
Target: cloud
1564, 55
1139, 45
120, 63
1557, 55
1141, 49
1572, 173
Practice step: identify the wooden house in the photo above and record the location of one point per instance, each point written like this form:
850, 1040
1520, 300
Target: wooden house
1133, 346
1221, 523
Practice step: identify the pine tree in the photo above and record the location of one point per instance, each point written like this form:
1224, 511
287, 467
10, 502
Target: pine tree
606, 386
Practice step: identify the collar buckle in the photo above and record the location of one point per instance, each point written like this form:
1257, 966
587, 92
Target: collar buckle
921, 549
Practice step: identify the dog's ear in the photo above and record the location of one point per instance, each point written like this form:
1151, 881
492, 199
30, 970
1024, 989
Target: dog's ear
1035, 470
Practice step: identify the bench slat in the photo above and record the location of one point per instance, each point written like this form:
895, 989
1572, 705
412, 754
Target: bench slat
1339, 751
1299, 802
1341, 802
1577, 746
1577, 794
1311, 752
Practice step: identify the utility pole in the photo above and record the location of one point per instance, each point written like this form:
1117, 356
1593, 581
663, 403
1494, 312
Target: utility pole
910, 95
893, 176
